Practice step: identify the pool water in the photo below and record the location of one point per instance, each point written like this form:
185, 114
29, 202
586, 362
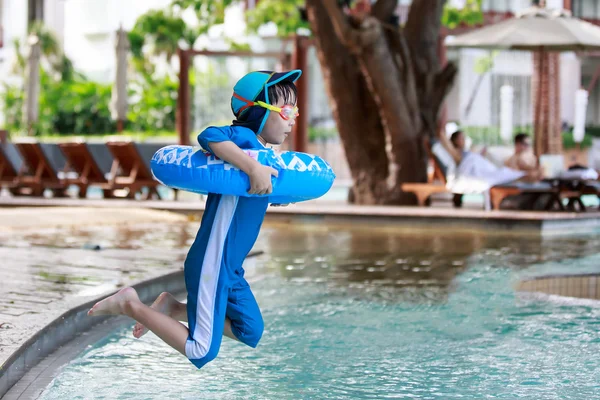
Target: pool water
364, 313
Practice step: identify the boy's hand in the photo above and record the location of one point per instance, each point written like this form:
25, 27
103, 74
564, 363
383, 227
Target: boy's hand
260, 179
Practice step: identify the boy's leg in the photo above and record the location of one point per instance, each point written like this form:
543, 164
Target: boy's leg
167, 304
227, 330
126, 302
206, 319
200, 350
242, 309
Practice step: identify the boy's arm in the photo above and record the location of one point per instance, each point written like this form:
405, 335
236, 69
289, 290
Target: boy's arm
260, 175
220, 144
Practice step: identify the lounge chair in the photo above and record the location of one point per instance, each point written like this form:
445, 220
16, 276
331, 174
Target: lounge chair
130, 171
573, 183
591, 188
573, 189
552, 195
8, 174
498, 193
36, 173
436, 183
80, 160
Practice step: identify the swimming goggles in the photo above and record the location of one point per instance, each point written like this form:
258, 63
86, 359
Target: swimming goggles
286, 112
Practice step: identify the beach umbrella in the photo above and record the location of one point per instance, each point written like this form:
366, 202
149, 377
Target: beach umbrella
32, 84
118, 104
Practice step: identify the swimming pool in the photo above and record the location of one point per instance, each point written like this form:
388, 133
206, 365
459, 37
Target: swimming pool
355, 312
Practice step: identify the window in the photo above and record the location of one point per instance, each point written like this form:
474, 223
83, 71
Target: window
496, 5
586, 9
522, 104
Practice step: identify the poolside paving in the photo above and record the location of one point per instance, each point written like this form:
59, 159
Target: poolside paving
471, 216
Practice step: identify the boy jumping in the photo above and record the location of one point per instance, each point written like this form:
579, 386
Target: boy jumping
219, 300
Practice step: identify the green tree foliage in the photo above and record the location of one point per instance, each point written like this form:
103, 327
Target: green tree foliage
77, 106
470, 14
208, 12
155, 106
71, 104
286, 14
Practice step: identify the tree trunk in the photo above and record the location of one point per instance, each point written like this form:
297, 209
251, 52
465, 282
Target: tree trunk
386, 87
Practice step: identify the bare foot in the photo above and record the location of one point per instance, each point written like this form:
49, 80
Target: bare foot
165, 303
115, 304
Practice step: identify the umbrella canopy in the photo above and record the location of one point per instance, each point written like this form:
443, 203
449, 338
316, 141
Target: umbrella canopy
118, 104
534, 29
32, 83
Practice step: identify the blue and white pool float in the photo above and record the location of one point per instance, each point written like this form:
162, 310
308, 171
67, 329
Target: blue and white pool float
301, 177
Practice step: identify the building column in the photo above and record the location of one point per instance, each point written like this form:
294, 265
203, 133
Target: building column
182, 115
300, 61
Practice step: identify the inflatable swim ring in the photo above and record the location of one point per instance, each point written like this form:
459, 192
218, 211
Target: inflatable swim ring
301, 176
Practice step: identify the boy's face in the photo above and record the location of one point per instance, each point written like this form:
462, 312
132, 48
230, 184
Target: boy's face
276, 128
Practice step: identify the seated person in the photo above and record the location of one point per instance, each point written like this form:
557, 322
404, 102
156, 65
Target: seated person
524, 159
479, 166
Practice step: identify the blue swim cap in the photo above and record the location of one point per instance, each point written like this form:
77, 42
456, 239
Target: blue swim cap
252, 87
